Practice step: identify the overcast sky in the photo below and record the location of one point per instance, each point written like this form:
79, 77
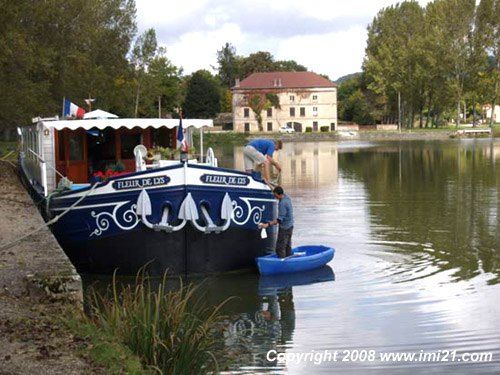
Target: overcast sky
326, 36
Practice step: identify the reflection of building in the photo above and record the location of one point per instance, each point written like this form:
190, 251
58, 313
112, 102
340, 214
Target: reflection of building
307, 164
306, 100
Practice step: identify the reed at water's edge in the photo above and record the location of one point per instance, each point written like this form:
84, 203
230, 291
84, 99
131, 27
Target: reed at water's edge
172, 332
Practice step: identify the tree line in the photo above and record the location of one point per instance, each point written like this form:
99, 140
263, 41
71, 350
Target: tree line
81, 49
426, 65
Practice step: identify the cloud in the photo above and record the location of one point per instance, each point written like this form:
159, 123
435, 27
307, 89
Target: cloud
328, 37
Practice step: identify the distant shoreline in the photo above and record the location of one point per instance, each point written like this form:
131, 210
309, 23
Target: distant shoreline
369, 135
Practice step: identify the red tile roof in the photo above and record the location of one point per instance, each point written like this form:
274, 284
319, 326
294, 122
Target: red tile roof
276, 80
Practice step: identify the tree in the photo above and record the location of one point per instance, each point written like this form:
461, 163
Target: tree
202, 96
259, 62
145, 50
488, 31
228, 65
393, 54
289, 66
454, 21
51, 49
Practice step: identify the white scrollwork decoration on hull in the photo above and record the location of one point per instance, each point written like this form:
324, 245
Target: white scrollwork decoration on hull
255, 212
126, 221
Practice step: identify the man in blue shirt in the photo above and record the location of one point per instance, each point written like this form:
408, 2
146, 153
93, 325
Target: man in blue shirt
260, 151
285, 220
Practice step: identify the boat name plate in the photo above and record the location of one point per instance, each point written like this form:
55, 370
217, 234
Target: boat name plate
141, 182
224, 180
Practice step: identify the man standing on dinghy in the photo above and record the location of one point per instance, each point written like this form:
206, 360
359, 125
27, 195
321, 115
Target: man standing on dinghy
260, 151
285, 220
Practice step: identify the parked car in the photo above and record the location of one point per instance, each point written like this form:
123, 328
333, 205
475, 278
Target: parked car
286, 129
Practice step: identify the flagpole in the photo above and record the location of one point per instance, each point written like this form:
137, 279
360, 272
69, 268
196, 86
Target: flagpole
64, 101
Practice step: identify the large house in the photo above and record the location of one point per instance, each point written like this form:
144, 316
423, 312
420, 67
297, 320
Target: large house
299, 100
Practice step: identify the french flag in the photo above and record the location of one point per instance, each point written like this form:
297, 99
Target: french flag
72, 110
181, 139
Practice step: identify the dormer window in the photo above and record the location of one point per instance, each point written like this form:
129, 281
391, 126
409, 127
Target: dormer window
292, 98
315, 98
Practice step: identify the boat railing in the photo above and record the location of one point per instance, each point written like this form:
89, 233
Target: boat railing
141, 165
43, 171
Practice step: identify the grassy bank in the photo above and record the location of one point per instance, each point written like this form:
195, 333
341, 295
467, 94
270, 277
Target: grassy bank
8, 148
104, 351
172, 332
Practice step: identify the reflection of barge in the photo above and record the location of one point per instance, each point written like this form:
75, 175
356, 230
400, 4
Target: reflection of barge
185, 216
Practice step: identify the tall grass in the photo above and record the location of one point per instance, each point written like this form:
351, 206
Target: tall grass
171, 331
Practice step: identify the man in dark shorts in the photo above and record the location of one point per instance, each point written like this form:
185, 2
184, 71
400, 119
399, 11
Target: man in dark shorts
285, 220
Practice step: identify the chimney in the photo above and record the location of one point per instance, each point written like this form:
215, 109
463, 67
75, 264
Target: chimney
274, 82
237, 82
279, 82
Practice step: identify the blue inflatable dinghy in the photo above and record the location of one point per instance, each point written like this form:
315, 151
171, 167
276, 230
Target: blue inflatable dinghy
303, 258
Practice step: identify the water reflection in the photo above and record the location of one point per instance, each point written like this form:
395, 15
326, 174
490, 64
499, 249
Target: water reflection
436, 202
417, 266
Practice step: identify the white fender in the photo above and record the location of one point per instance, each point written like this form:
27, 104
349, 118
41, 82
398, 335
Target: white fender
143, 208
188, 211
226, 211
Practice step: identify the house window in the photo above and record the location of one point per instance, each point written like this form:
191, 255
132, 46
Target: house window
302, 111
315, 98
269, 126
315, 126
315, 111
246, 112
292, 98
292, 112
332, 126
247, 127
269, 112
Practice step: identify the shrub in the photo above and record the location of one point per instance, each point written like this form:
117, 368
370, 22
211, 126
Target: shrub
324, 128
170, 331
309, 130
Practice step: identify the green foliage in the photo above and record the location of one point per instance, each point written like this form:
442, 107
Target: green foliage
171, 331
52, 49
226, 104
202, 96
228, 65
324, 129
274, 100
309, 129
104, 350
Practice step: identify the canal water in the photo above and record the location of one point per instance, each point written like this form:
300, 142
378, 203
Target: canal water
417, 266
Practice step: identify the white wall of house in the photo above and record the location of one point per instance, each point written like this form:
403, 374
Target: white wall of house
300, 108
496, 113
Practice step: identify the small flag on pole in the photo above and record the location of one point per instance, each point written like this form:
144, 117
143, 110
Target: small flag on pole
181, 139
72, 110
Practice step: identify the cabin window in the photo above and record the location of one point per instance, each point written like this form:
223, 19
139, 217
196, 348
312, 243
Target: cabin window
161, 137
128, 142
75, 146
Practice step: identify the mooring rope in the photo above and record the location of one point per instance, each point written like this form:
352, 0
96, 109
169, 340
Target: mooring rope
50, 222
